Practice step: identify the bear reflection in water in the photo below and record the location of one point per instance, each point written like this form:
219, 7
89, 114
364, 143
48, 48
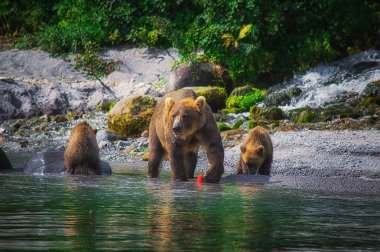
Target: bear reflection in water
81, 157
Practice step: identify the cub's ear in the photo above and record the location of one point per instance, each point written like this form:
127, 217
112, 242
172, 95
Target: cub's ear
95, 131
168, 104
260, 150
200, 102
243, 148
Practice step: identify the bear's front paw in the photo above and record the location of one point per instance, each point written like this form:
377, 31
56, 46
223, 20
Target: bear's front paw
179, 178
152, 175
212, 177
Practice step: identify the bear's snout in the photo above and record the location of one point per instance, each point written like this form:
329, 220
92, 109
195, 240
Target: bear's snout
177, 129
252, 167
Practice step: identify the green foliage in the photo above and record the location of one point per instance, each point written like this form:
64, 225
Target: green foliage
106, 106
256, 40
238, 123
244, 102
223, 127
92, 64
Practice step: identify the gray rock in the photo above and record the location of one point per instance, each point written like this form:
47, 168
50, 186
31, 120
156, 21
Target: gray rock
199, 74
372, 89
141, 65
105, 135
34, 83
276, 99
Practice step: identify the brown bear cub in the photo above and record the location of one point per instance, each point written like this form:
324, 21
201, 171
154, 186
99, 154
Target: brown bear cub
82, 153
181, 123
256, 153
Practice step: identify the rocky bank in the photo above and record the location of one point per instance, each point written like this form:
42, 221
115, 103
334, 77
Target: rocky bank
42, 91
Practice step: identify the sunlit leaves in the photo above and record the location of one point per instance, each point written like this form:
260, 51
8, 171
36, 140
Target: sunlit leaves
230, 40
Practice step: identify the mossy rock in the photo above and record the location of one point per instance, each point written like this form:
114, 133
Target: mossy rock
339, 111
276, 99
304, 115
267, 113
223, 126
105, 106
131, 116
254, 123
241, 91
307, 116
215, 96
294, 92
372, 89
72, 115
242, 98
238, 123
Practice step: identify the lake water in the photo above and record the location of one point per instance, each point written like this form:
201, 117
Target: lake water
127, 211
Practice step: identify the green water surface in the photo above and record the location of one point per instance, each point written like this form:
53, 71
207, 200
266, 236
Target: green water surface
127, 211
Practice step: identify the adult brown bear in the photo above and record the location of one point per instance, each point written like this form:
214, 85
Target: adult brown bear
256, 153
181, 123
82, 153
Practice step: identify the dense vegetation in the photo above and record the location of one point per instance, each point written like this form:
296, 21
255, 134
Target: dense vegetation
256, 40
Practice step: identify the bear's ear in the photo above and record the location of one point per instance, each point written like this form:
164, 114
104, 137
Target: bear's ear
243, 148
200, 102
168, 104
95, 131
260, 150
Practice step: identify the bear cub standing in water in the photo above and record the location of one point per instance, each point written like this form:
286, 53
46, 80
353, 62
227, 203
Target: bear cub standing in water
181, 123
256, 153
82, 153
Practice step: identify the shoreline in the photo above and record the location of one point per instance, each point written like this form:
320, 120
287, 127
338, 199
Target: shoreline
338, 161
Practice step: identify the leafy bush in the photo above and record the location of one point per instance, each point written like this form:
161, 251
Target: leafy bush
94, 66
256, 40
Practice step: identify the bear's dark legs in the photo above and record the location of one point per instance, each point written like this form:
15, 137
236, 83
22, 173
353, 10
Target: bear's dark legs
265, 167
96, 167
177, 163
239, 166
215, 155
156, 154
191, 163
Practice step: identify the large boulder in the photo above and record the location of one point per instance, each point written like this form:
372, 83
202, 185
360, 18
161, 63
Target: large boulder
199, 74
216, 96
131, 115
267, 113
276, 99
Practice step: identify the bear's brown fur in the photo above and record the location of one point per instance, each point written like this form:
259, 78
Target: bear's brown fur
82, 153
256, 153
181, 123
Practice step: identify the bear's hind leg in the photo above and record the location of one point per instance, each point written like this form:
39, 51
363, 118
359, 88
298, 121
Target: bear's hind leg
215, 155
